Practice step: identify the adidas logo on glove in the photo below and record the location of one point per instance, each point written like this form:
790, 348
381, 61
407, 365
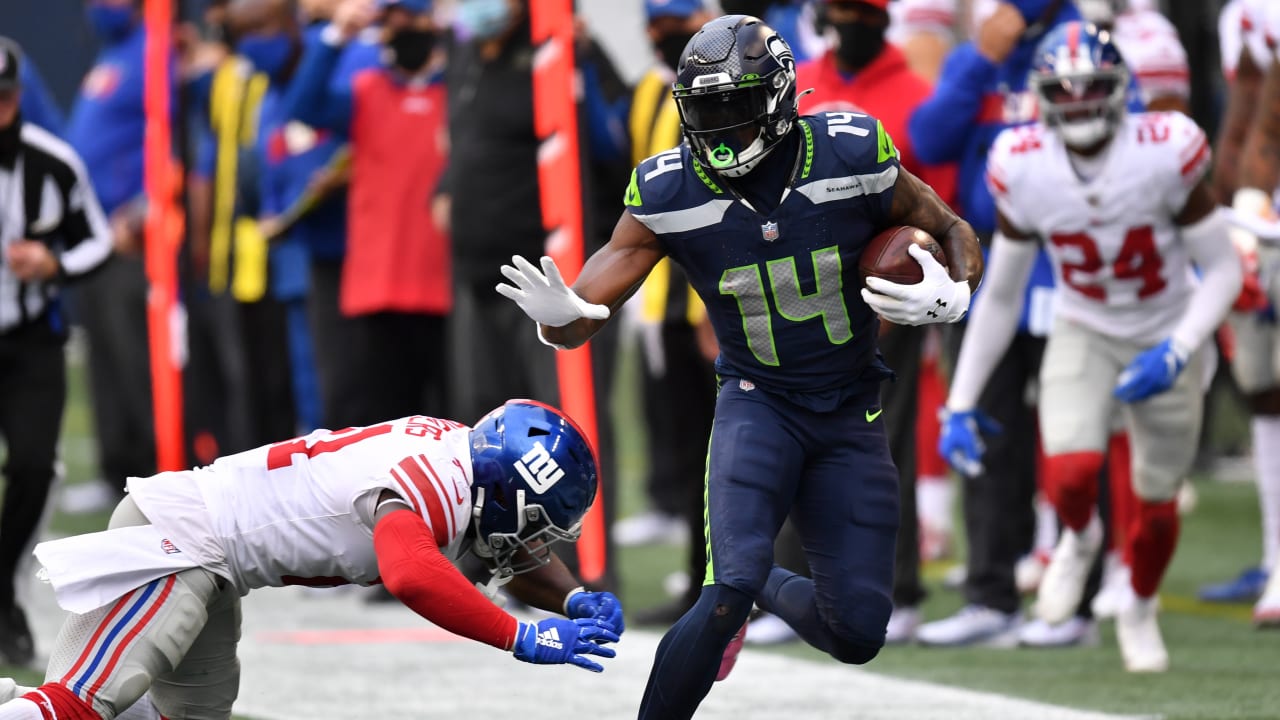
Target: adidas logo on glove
550, 638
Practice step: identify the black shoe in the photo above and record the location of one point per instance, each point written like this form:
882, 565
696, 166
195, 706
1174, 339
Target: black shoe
665, 614
16, 644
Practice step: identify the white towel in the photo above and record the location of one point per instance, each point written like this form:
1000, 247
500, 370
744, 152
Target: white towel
91, 570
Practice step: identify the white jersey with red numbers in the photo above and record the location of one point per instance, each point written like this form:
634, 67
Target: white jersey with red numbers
1151, 48
301, 512
1121, 267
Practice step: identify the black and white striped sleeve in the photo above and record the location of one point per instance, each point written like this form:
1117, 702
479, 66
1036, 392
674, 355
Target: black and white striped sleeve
85, 229
68, 215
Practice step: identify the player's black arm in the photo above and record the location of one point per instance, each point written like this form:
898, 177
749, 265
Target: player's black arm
1199, 205
1242, 98
545, 588
1260, 165
1011, 231
917, 205
610, 276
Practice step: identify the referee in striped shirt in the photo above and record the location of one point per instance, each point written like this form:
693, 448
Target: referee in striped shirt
52, 230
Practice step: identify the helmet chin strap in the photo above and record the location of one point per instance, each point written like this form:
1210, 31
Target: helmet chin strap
1084, 134
490, 589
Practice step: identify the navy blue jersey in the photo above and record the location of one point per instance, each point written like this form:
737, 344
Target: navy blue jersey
782, 288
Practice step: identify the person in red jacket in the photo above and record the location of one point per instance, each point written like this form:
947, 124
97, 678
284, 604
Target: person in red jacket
397, 272
863, 73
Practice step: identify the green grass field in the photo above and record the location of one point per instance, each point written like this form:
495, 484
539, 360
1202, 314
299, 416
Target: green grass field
1221, 667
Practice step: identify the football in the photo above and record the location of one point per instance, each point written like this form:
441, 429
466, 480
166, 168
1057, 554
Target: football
886, 255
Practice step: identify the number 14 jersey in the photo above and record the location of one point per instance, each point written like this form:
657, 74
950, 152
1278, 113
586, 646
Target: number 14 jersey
782, 288
1121, 266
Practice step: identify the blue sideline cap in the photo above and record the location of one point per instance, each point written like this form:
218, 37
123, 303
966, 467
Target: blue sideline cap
417, 7
671, 8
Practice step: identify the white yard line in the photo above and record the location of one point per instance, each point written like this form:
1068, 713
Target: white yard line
327, 655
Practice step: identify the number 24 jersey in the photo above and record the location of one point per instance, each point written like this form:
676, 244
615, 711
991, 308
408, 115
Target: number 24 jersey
1121, 266
782, 288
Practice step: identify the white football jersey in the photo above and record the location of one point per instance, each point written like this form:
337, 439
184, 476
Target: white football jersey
938, 17
301, 512
1154, 54
1120, 265
1259, 28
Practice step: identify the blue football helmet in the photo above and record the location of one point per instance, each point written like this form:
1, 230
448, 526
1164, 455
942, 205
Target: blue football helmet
534, 478
736, 92
1081, 83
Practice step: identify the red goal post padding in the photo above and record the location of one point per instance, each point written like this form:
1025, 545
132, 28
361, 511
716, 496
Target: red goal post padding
560, 181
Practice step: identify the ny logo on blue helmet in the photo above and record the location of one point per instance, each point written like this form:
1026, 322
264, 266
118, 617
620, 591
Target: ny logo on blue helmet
535, 477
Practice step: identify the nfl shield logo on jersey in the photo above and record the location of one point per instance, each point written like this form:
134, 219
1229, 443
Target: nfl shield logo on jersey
770, 231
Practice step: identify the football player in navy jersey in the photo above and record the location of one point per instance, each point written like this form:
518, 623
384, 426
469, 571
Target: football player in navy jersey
768, 213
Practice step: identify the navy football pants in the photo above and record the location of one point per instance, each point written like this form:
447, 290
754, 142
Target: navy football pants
832, 473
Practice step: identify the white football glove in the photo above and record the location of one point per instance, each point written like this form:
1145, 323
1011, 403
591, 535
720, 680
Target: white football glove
543, 296
935, 299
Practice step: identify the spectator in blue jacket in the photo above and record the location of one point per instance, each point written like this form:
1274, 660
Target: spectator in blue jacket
305, 178
981, 91
269, 37
107, 128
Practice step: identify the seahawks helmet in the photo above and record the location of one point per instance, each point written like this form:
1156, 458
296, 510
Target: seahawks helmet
534, 478
736, 92
1081, 83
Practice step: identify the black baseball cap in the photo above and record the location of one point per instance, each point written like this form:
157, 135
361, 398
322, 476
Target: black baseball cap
10, 64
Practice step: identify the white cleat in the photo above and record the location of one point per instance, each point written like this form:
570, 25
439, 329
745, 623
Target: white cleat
1116, 592
10, 689
650, 528
972, 626
1266, 613
769, 629
1063, 583
1075, 632
902, 626
1139, 636
1029, 571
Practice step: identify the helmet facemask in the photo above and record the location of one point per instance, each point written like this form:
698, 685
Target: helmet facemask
1083, 108
529, 547
736, 94
534, 477
732, 126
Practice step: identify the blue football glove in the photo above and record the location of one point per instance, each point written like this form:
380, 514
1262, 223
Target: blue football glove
1151, 372
556, 641
961, 441
599, 605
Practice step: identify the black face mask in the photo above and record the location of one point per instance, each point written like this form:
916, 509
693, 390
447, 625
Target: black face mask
410, 48
859, 43
671, 47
